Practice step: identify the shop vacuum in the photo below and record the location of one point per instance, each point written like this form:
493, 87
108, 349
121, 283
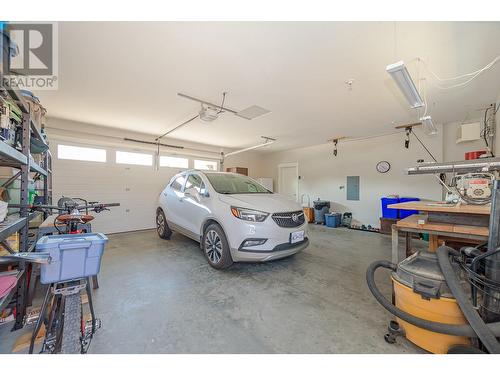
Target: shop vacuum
447, 301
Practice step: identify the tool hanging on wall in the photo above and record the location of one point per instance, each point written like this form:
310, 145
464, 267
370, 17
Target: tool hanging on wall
409, 131
335, 142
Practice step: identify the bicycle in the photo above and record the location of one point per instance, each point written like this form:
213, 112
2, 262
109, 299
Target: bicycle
66, 331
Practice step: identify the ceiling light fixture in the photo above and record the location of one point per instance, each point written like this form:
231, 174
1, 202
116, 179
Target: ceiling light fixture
405, 83
429, 127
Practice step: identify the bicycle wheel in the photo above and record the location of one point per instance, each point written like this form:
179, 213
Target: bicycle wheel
72, 325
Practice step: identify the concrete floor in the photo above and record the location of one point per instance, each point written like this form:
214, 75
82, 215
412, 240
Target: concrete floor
160, 296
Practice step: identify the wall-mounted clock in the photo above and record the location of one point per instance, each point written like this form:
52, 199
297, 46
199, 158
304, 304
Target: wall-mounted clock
383, 166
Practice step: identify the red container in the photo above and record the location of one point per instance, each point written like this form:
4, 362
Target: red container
474, 155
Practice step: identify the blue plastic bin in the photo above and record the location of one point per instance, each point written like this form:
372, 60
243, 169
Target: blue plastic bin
389, 213
333, 220
406, 213
73, 256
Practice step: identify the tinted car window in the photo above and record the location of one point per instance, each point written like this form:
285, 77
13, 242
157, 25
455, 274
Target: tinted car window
234, 184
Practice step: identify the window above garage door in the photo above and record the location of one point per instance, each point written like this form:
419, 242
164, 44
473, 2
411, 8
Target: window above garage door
134, 158
81, 153
174, 162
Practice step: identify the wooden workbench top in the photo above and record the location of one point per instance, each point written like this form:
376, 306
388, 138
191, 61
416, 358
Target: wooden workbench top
431, 206
412, 222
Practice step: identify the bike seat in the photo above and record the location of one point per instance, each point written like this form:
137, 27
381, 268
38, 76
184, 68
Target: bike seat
66, 218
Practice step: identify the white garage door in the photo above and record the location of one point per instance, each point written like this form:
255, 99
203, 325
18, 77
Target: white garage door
135, 187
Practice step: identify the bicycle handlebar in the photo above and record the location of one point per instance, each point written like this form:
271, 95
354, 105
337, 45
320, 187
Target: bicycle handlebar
94, 206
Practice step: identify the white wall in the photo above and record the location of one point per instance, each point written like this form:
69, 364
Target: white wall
323, 175
136, 188
456, 151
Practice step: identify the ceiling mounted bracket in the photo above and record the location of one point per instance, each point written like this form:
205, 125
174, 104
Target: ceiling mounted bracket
335, 142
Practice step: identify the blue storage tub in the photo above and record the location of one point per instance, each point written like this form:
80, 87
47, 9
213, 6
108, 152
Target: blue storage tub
333, 220
389, 213
73, 256
406, 213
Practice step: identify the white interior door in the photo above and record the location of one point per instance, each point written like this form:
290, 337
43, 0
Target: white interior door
288, 180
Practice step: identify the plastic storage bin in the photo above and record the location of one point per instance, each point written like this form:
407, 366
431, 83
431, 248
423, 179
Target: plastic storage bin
73, 256
333, 220
320, 209
389, 213
406, 213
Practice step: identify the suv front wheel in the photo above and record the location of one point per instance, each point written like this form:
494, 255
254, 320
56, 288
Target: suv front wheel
161, 225
216, 247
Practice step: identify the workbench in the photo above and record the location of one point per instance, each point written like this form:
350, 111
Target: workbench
462, 221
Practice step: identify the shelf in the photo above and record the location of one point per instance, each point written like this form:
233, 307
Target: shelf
34, 215
10, 157
34, 167
5, 300
16, 95
11, 225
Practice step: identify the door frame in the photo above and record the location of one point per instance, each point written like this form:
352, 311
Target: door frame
289, 165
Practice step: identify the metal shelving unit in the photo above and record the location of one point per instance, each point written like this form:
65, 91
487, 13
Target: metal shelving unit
19, 222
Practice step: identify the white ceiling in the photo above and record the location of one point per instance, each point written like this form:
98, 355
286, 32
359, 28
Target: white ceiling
127, 75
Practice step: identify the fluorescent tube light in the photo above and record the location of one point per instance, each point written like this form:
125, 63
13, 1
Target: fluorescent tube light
429, 126
403, 79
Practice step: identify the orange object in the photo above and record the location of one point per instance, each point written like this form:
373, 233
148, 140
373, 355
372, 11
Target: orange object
443, 310
65, 218
474, 155
309, 212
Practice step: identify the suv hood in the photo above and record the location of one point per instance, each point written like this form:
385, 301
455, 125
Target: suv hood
271, 203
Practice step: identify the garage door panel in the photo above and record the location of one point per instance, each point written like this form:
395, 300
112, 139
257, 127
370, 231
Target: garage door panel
136, 188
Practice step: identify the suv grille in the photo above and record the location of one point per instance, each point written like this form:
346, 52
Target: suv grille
289, 219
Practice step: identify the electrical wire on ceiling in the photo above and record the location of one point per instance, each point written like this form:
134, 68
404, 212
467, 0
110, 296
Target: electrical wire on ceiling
487, 131
425, 97
222, 104
472, 75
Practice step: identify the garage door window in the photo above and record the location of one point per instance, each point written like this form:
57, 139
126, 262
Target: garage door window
173, 162
133, 158
207, 165
81, 153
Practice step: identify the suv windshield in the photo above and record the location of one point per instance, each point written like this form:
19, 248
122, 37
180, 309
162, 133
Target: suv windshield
234, 184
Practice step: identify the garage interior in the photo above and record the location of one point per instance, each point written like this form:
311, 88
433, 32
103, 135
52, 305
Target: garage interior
322, 113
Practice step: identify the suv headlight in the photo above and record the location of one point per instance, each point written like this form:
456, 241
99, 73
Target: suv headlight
249, 215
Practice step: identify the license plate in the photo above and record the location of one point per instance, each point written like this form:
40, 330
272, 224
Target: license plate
297, 236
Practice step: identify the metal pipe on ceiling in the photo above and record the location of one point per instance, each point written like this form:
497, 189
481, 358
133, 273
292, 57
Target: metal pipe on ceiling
248, 149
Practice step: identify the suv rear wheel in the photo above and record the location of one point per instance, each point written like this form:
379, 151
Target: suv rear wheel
216, 247
161, 225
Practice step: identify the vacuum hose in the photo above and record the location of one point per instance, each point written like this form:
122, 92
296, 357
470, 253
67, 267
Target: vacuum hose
444, 328
476, 322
